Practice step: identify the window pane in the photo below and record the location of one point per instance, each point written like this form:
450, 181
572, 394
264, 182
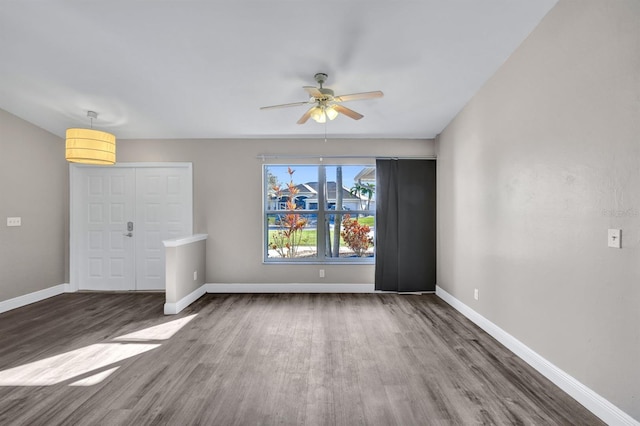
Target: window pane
358, 187
292, 235
350, 195
281, 180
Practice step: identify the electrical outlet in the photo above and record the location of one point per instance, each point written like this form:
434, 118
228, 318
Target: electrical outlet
476, 294
14, 221
321, 273
195, 275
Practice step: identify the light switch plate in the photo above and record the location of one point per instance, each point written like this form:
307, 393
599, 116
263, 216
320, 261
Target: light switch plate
14, 221
614, 238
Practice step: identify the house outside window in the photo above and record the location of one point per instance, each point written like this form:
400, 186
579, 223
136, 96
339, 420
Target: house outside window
319, 213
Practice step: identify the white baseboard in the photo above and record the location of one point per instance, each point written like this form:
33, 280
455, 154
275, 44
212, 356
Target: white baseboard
174, 308
599, 406
289, 288
36, 296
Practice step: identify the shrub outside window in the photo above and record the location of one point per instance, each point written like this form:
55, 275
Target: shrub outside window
319, 213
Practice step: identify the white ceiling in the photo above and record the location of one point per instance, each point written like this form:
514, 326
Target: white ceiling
202, 69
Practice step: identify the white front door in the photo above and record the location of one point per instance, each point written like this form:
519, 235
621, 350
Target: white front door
120, 216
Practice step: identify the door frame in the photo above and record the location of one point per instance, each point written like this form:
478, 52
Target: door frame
75, 206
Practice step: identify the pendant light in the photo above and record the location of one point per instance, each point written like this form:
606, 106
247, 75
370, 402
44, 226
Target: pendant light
90, 146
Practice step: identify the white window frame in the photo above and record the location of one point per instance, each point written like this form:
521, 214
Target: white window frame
321, 217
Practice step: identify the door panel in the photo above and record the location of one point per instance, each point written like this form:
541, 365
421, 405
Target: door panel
163, 207
107, 206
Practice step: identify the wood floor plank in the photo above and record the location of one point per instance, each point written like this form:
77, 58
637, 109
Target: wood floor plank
254, 359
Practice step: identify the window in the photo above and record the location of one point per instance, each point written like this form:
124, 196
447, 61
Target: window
319, 214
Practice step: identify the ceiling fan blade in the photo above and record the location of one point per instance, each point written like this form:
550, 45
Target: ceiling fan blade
305, 116
358, 96
348, 112
313, 91
285, 105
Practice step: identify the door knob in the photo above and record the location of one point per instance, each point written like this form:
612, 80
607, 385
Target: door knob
128, 234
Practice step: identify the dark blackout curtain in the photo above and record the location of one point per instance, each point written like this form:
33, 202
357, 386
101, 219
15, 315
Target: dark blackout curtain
406, 225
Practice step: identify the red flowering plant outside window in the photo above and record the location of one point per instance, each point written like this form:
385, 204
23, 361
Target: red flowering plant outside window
357, 236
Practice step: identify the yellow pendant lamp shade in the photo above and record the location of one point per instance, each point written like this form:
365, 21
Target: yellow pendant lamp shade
90, 146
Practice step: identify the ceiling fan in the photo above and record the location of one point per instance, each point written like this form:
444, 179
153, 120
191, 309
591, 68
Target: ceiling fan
326, 104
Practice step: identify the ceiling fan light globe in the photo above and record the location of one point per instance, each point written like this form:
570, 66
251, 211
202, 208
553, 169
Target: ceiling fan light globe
320, 118
318, 115
331, 113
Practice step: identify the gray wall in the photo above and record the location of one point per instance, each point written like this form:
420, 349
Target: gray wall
34, 185
227, 186
531, 174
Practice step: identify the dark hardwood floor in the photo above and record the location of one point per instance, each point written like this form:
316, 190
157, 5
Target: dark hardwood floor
331, 359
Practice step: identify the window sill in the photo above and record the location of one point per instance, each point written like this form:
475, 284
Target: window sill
349, 262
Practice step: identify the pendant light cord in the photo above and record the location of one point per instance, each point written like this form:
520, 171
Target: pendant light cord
92, 115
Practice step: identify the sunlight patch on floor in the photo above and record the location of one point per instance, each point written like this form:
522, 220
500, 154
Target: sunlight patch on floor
94, 379
66, 366
158, 332
81, 362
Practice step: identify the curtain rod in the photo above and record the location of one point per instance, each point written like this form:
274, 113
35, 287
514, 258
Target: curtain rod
264, 157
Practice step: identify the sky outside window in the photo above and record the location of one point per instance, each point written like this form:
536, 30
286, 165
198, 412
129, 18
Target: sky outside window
304, 174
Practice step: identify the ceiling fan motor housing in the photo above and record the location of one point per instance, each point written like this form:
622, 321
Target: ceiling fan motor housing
327, 93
